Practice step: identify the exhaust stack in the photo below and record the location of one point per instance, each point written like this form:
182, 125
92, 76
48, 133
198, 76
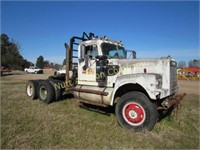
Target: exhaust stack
67, 65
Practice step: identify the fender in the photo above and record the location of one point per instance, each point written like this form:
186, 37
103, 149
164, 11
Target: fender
145, 80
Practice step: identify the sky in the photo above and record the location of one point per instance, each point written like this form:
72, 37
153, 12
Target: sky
153, 29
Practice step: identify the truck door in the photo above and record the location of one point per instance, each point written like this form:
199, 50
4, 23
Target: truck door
87, 65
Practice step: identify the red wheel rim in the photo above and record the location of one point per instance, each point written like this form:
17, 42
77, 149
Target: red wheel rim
134, 114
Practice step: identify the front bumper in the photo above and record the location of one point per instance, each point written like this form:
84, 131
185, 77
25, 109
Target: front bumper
168, 105
172, 101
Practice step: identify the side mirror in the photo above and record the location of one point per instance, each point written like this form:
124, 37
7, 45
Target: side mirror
134, 55
130, 54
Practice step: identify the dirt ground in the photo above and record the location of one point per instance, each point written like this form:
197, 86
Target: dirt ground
22, 76
189, 87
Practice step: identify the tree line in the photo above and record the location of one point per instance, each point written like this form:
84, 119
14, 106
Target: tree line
11, 57
41, 63
195, 63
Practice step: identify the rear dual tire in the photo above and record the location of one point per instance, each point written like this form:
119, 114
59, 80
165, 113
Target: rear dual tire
46, 92
59, 87
32, 88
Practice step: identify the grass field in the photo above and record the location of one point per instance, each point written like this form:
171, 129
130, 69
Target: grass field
31, 124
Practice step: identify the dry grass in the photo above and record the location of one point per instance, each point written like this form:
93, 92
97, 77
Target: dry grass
34, 125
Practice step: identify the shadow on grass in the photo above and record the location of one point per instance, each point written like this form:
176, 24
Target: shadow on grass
64, 97
165, 114
108, 110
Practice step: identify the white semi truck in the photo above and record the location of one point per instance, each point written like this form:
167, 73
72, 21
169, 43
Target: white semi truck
141, 90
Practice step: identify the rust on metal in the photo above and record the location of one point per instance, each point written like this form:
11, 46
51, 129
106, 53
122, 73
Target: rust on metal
91, 91
175, 101
96, 104
67, 64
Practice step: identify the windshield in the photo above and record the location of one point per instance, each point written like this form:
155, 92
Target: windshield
113, 51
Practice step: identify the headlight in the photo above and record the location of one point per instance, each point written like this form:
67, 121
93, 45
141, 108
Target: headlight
159, 83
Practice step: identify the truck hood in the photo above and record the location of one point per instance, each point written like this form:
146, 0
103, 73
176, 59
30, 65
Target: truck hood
135, 63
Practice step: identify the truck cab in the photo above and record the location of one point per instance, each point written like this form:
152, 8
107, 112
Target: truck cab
90, 58
156, 76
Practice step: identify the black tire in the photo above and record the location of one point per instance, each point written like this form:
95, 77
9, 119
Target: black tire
59, 87
46, 92
165, 113
38, 81
135, 111
31, 89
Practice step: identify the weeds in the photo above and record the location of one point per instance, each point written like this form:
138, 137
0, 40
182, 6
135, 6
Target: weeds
31, 124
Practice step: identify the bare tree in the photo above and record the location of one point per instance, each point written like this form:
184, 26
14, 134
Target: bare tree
181, 64
194, 63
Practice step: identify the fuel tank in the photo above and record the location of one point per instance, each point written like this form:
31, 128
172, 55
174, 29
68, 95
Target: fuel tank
94, 94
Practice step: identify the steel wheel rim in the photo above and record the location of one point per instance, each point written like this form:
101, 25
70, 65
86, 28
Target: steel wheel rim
134, 114
29, 90
43, 93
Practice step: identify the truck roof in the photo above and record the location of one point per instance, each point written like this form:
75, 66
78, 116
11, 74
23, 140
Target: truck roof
100, 41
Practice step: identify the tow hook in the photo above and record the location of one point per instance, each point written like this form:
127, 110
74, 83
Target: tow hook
174, 101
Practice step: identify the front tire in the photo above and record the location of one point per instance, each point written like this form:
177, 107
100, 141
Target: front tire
46, 92
135, 111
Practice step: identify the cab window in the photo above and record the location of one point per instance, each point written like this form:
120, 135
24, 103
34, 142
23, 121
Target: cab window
91, 51
113, 51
